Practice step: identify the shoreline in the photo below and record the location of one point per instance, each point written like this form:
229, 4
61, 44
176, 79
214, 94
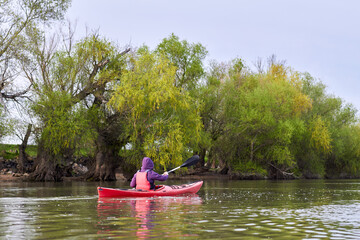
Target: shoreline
16, 177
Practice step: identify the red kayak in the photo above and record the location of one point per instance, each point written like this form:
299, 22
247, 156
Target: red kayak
162, 190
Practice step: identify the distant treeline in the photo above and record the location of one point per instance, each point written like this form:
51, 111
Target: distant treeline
121, 104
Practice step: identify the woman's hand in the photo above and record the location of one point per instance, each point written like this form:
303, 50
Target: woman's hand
165, 173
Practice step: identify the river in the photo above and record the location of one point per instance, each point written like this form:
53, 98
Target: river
299, 209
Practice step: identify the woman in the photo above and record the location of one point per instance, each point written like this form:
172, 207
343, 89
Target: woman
145, 178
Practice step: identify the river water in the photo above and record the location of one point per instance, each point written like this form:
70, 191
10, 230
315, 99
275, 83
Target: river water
300, 209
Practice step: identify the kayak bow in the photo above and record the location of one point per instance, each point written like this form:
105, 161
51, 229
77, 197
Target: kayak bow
162, 190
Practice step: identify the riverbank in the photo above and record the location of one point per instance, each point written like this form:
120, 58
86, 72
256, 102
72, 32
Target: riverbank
77, 169
10, 178
17, 177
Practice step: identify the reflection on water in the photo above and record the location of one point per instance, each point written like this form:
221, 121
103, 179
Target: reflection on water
148, 214
315, 209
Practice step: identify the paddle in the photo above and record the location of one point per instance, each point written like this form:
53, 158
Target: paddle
191, 161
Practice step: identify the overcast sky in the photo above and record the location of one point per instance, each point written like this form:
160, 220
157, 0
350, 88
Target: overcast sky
321, 37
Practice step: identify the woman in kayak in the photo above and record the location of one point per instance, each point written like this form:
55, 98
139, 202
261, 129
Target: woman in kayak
144, 179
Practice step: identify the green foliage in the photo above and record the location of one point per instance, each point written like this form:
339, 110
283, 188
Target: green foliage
249, 168
348, 151
320, 150
320, 136
211, 95
17, 16
312, 164
46, 10
7, 124
70, 95
2, 123
162, 120
18, 26
261, 112
73, 70
63, 122
187, 58
164, 104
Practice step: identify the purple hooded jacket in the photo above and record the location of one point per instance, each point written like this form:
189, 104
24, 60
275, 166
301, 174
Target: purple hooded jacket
148, 164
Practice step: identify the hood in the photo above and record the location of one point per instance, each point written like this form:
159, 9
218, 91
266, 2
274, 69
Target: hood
147, 164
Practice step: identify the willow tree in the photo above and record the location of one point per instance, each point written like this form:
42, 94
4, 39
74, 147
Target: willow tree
211, 96
68, 83
188, 58
19, 21
344, 160
262, 115
324, 149
162, 120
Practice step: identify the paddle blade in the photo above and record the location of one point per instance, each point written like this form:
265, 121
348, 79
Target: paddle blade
191, 161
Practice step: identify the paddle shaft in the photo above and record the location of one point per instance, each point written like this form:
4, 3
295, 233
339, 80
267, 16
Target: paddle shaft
174, 169
191, 161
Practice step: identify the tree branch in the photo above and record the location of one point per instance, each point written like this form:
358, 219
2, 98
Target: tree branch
94, 85
16, 95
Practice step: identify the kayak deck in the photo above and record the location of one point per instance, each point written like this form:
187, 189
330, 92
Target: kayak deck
162, 190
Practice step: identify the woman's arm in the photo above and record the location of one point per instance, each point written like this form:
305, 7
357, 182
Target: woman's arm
155, 176
133, 181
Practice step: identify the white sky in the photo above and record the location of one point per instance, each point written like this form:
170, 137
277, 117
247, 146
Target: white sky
321, 37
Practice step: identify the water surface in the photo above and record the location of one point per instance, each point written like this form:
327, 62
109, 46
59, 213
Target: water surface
301, 209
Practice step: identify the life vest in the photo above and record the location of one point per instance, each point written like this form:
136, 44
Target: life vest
142, 181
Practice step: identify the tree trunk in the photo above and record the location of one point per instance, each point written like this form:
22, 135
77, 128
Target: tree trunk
22, 154
106, 159
47, 171
224, 169
108, 144
211, 159
47, 168
201, 154
103, 168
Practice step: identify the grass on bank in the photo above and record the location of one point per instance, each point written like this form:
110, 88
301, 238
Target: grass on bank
11, 151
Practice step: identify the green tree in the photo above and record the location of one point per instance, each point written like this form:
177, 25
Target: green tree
344, 160
69, 84
261, 112
162, 120
18, 21
211, 95
320, 149
188, 58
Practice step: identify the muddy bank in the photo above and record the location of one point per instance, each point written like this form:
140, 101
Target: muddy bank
17, 177
76, 171
11, 178
7, 175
